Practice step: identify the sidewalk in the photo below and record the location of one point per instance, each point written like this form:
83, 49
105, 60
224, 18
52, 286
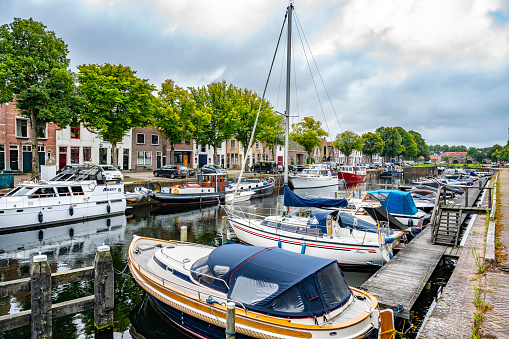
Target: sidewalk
454, 314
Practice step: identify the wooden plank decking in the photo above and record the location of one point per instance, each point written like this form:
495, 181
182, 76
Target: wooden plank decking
402, 279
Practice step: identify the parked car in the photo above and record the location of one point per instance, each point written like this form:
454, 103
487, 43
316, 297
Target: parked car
111, 173
212, 169
265, 167
172, 171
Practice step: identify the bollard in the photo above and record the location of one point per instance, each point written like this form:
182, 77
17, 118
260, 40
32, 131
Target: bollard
336, 194
40, 285
278, 207
254, 212
223, 231
230, 320
104, 287
183, 233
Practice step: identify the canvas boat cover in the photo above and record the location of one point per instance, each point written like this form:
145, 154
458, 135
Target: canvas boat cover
395, 201
318, 219
293, 200
275, 281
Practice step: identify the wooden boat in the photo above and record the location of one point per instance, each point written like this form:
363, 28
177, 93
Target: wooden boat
277, 293
79, 193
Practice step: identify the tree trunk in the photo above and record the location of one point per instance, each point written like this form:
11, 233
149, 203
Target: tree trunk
35, 145
172, 153
114, 154
214, 158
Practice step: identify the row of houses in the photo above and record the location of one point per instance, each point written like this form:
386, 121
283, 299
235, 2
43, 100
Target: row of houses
141, 149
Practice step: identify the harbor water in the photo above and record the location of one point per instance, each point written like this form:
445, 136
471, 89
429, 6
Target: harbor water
74, 245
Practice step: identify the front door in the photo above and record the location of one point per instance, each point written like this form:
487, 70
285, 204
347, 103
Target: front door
62, 160
13, 159
27, 162
125, 163
202, 160
185, 159
158, 159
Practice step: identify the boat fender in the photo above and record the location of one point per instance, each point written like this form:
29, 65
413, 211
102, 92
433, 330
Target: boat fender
71, 232
279, 243
391, 255
176, 190
108, 208
303, 249
40, 217
389, 240
41, 235
71, 210
415, 230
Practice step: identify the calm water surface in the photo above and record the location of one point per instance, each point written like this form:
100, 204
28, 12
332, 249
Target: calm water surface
74, 245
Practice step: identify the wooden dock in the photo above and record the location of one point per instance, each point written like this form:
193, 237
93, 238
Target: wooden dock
401, 280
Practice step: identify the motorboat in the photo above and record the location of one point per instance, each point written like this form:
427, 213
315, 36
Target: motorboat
259, 187
275, 293
137, 194
326, 233
79, 193
352, 173
391, 171
238, 196
313, 177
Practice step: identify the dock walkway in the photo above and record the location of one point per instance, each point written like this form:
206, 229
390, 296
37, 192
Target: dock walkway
402, 279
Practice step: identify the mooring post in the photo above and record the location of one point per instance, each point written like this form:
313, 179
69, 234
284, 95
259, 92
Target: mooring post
104, 289
254, 212
278, 209
230, 320
224, 238
40, 282
183, 233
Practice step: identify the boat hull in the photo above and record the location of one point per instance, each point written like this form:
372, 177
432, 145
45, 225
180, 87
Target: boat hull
259, 189
303, 182
198, 199
351, 177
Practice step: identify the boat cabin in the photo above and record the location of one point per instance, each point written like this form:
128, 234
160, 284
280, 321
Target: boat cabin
215, 180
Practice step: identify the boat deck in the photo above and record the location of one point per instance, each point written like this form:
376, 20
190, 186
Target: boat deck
401, 280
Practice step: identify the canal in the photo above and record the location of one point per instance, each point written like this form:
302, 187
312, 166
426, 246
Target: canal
74, 245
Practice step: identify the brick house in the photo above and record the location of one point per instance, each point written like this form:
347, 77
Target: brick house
15, 141
455, 158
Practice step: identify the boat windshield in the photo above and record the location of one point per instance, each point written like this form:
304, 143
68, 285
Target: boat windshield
20, 190
311, 171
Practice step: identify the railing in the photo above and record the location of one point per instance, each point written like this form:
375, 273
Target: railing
41, 282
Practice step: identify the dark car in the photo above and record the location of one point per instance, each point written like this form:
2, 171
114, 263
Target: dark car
265, 167
212, 169
172, 171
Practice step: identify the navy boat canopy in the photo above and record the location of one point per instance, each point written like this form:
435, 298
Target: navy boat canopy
293, 200
395, 201
318, 219
275, 281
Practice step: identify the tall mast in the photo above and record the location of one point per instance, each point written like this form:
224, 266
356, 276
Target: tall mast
288, 71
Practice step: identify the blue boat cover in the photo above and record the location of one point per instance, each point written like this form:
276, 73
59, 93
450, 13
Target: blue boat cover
275, 281
292, 199
395, 201
345, 220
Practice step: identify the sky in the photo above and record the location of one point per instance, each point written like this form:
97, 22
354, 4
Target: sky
437, 67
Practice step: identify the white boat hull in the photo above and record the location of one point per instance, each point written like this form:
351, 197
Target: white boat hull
310, 182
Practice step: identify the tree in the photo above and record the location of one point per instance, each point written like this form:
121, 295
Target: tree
504, 153
245, 104
422, 148
117, 100
215, 99
273, 133
34, 72
347, 142
392, 141
177, 117
409, 147
494, 152
372, 144
308, 133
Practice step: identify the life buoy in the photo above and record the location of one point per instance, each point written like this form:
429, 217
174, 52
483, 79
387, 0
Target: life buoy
176, 190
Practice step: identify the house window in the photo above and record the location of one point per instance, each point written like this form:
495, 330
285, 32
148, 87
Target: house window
75, 155
257, 145
75, 132
42, 131
87, 154
103, 156
140, 138
26, 148
144, 158
63, 149
155, 139
232, 143
41, 148
21, 128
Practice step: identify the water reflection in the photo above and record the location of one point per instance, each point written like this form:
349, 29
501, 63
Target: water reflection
74, 245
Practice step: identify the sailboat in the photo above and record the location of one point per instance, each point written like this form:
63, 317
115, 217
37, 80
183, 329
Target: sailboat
333, 235
276, 293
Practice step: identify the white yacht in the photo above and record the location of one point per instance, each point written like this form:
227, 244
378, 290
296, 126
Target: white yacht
79, 193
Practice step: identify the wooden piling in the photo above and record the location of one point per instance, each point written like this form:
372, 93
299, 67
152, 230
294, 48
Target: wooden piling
104, 286
230, 320
183, 233
223, 231
40, 282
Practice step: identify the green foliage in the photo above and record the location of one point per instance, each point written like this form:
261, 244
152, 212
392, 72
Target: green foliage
422, 148
409, 148
308, 133
216, 100
372, 144
392, 141
34, 72
116, 101
273, 133
347, 142
504, 153
177, 117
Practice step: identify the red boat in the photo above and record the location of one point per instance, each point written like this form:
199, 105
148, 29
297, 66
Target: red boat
351, 173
